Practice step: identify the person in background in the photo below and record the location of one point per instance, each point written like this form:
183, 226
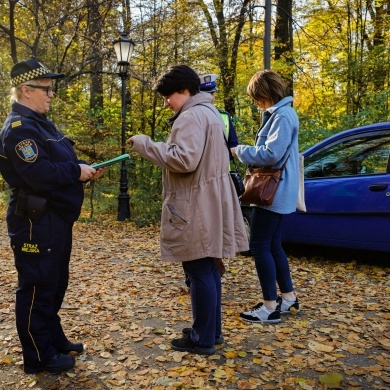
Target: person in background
208, 84
46, 180
276, 142
201, 218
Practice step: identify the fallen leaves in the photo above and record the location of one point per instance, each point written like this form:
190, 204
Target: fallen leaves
127, 306
332, 380
318, 347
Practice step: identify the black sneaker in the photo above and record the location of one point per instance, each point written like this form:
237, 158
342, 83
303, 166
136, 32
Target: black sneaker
57, 364
218, 340
185, 344
286, 307
72, 349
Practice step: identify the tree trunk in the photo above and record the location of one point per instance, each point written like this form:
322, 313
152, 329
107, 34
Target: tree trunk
284, 40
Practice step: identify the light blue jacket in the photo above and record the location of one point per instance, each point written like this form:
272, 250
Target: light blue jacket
277, 139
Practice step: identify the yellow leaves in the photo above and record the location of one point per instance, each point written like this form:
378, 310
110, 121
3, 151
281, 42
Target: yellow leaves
6, 359
318, 347
230, 354
332, 380
248, 384
181, 371
293, 310
183, 300
299, 324
354, 350
159, 331
220, 374
177, 356
32, 383
385, 343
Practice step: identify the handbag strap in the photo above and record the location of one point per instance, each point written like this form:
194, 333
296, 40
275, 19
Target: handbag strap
267, 169
257, 135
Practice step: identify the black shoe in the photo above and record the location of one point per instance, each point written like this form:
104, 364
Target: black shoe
72, 349
218, 340
57, 364
185, 344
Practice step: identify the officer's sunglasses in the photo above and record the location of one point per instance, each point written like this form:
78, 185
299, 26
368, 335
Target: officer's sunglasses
47, 89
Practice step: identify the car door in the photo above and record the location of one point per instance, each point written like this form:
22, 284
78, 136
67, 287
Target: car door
347, 193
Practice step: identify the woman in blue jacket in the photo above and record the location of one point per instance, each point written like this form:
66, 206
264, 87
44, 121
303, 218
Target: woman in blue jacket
276, 142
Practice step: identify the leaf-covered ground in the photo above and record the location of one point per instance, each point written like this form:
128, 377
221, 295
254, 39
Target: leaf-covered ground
126, 306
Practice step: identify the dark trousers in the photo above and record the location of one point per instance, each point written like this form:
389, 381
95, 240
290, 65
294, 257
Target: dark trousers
205, 290
266, 247
42, 255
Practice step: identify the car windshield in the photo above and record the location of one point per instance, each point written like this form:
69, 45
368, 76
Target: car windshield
359, 155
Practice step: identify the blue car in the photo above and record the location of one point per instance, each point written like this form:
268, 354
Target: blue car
347, 192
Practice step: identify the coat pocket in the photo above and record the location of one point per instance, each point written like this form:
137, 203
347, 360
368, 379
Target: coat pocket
176, 221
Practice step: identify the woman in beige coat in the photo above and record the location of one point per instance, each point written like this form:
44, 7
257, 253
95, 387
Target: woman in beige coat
201, 217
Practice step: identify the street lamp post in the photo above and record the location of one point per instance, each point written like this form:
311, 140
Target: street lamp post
267, 35
123, 48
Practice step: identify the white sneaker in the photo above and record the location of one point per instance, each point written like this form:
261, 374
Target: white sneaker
289, 307
260, 313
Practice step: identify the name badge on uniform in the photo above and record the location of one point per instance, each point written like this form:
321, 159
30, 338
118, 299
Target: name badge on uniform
27, 150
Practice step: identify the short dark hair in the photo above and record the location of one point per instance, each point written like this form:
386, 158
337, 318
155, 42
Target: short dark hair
268, 85
177, 78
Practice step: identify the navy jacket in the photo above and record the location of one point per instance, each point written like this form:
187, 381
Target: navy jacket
34, 155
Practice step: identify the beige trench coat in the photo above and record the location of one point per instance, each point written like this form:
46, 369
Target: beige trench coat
201, 215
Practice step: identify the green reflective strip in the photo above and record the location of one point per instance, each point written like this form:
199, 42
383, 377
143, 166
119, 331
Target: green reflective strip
225, 118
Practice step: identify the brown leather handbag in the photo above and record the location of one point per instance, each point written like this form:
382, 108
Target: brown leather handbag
261, 184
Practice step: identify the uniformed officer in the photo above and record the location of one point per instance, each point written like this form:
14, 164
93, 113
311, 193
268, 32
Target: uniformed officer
208, 84
46, 181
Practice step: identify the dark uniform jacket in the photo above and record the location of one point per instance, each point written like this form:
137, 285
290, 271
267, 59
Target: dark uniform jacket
35, 156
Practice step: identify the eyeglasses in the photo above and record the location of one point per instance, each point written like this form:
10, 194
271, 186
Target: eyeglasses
47, 89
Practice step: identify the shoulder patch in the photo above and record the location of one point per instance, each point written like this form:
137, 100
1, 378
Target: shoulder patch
27, 150
16, 123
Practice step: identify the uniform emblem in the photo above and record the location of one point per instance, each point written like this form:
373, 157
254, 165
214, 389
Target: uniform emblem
16, 123
30, 248
27, 150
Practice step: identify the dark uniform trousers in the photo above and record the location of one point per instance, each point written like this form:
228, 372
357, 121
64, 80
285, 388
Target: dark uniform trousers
42, 251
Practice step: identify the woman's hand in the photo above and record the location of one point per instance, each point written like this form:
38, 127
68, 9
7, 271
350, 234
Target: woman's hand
233, 151
98, 173
130, 141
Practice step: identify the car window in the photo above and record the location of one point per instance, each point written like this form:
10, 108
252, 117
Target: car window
357, 155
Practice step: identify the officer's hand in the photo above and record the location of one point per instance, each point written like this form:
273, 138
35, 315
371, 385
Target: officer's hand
87, 172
